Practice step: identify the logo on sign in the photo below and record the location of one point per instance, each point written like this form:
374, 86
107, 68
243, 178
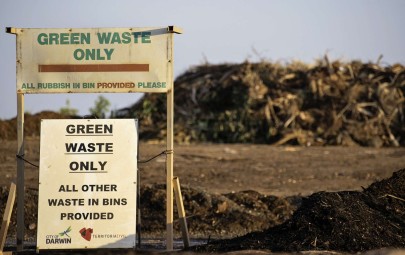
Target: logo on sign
62, 238
86, 233
65, 233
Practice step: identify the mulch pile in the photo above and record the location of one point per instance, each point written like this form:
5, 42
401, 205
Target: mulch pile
328, 103
342, 221
213, 215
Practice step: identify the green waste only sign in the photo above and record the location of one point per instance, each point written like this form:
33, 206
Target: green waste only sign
76, 60
87, 184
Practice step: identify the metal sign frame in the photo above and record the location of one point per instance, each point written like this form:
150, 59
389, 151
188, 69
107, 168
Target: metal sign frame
169, 147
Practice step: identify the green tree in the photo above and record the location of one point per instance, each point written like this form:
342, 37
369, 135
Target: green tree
101, 106
68, 110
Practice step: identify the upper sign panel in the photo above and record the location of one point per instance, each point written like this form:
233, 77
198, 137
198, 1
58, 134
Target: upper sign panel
93, 60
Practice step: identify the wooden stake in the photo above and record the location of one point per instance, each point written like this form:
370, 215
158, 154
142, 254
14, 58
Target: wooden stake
182, 213
7, 216
20, 172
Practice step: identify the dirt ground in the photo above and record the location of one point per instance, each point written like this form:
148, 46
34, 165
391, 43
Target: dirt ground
223, 168
269, 180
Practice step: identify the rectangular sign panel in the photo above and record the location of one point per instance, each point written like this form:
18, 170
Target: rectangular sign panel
87, 184
77, 60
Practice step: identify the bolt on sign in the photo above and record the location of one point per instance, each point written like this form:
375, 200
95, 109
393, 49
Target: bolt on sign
87, 184
74, 60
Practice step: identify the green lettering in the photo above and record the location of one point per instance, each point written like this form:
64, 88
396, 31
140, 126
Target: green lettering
85, 38
64, 38
136, 35
104, 38
42, 39
116, 38
146, 37
53, 38
90, 54
99, 57
78, 54
108, 52
74, 38
126, 37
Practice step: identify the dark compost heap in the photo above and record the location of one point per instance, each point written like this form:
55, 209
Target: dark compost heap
343, 221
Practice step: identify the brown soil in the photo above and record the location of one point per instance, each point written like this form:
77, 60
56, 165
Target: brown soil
232, 190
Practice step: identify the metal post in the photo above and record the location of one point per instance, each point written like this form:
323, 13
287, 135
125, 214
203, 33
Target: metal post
20, 172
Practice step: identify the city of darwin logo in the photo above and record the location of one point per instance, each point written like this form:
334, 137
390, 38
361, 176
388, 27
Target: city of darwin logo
86, 233
61, 238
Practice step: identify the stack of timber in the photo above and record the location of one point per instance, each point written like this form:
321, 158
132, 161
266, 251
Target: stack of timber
327, 103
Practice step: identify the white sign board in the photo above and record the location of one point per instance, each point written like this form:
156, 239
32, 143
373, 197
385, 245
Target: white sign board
87, 184
77, 60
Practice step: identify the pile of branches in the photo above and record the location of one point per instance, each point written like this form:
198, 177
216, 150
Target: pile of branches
328, 103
